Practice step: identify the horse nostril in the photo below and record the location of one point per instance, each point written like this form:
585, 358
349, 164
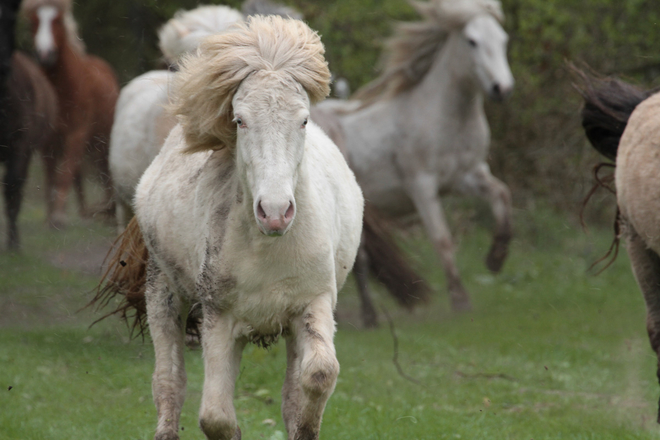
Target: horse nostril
497, 89
288, 215
260, 211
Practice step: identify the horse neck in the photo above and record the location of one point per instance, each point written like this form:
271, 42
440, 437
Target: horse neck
66, 73
450, 86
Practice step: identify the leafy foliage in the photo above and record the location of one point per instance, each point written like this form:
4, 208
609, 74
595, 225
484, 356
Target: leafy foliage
538, 146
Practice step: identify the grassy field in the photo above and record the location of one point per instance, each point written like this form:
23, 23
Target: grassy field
549, 352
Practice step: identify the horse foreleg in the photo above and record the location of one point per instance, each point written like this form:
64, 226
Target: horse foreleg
67, 168
361, 272
646, 267
100, 154
80, 195
423, 192
222, 358
312, 370
167, 316
50, 164
17, 170
481, 183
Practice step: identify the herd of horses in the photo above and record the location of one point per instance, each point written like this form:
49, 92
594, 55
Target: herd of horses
243, 201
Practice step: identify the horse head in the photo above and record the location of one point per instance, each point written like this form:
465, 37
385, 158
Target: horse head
53, 27
261, 88
271, 113
486, 42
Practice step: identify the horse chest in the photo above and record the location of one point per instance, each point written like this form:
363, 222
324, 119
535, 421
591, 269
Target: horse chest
264, 284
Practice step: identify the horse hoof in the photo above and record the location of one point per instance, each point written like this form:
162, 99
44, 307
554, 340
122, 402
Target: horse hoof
498, 252
494, 262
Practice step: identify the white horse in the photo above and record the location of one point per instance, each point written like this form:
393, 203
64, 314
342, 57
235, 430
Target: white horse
251, 214
141, 121
142, 124
419, 131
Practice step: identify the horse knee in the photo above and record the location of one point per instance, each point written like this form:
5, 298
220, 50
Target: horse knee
320, 379
217, 427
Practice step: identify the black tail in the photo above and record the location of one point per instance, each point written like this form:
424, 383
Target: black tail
608, 103
388, 264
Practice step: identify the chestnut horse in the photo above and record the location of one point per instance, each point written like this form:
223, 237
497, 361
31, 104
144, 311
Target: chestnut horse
87, 90
28, 116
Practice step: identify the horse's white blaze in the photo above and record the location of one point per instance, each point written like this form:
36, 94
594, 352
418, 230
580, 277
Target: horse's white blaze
44, 41
489, 54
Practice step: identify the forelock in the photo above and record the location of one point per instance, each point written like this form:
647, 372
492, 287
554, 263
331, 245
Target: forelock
209, 79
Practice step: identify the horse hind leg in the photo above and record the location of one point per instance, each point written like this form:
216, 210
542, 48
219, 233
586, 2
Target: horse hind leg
422, 189
646, 267
100, 154
481, 183
80, 194
361, 272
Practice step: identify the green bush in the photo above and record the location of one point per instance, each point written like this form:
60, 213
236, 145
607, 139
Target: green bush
538, 146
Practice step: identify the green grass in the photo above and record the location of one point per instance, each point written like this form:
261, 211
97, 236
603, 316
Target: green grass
549, 352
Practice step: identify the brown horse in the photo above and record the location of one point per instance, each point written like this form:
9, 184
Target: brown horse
623, 123
87, 90
28, 116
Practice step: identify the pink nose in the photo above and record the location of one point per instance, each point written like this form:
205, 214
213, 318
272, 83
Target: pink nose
275, 217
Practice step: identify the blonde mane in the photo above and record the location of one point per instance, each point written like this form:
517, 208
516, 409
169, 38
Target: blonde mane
207, 82
66, 7
411, 51
182, 33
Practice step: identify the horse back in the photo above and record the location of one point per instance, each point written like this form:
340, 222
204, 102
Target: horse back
637, 171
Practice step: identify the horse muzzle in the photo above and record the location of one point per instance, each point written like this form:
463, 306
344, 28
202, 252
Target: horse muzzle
274, 218
47, 58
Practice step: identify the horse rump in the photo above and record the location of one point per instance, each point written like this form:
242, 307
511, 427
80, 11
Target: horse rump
388, 265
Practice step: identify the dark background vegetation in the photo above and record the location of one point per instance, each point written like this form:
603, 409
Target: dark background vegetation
538, 147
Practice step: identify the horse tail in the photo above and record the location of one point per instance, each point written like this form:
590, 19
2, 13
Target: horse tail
388, 265
608, 103
125, 278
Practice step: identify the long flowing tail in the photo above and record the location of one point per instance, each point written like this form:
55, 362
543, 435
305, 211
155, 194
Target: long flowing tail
125, 278
608, 103
388, 264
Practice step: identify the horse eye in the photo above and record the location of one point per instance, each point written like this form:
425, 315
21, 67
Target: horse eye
304, 124
472, 43
239, 121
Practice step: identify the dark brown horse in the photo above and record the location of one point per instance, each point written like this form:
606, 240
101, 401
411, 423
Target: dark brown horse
28, 116
87, 91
